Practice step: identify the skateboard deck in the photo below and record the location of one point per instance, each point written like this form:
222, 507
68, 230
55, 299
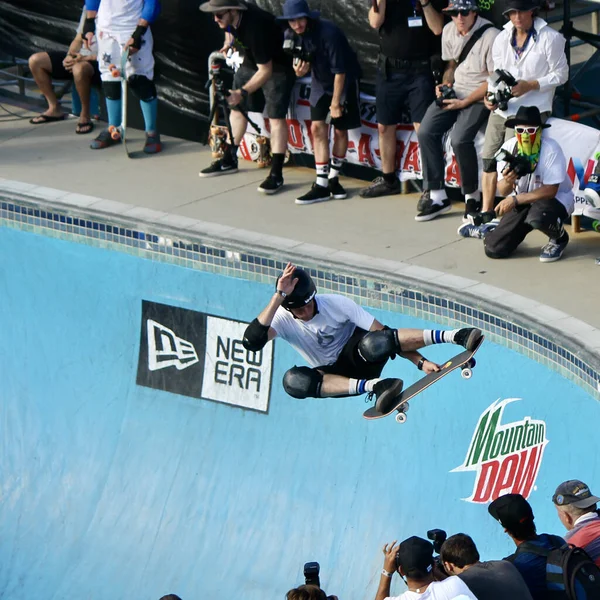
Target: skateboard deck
464, 361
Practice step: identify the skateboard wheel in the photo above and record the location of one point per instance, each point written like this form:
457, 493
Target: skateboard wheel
400, 418
472, 362
466, 373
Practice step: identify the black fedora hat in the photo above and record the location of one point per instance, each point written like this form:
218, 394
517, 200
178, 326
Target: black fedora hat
526, 115
218, 5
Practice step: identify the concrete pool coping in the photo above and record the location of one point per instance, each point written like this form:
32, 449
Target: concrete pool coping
573, 334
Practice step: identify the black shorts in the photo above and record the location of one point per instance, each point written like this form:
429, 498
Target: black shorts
59, 72
350, 119
351, 364
274, 96
400, 89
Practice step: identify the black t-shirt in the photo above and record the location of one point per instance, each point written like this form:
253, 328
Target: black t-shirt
259, 39
492, 11
398, 40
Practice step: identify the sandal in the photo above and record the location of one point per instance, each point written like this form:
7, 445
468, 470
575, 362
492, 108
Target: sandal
41, 119
83, 128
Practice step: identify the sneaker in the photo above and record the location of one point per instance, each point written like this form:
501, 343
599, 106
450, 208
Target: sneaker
104, 140
432, 210
380, 187
554, 249
153, 144
336, 189
423, 200
468, 230
221, 166
271, 184
317, 193
472, 207
468, 337
386, 394
480, 218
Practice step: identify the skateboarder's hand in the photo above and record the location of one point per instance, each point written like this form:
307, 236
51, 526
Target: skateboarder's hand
234, 98
389, 551
286, 283
430, 367
130, 46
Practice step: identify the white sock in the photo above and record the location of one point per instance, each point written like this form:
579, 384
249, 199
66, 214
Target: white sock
438, 196
360, 386
322, 172
476, 195
438, 336
335, 166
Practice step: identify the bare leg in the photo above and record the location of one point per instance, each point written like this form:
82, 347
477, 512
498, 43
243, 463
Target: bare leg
488, 190
82, 75
334, 385
239, 124
387, 147
411, 339
416, 126
340, 142
41, 69
279, 136
320, 133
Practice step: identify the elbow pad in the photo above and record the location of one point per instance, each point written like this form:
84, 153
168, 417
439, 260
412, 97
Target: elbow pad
255, 336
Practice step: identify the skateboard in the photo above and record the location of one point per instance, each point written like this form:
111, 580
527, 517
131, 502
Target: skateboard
464, 361
121, 73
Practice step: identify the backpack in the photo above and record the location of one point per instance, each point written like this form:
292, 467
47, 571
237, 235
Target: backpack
570, 572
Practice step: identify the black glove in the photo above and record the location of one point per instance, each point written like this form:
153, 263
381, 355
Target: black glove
89, 26
140, 30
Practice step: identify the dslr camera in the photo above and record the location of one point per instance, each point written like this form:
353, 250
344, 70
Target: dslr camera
218, 65
447, 93
519, 164
437, 537
311, 577
504, 82
293, 44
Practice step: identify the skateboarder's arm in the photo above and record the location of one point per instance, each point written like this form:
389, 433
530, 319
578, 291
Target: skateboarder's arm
377, 326
415, 358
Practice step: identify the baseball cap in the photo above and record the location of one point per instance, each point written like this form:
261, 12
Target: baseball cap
574, 492
511, 510
415, 556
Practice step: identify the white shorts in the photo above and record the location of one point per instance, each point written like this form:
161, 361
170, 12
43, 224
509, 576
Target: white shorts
110, 47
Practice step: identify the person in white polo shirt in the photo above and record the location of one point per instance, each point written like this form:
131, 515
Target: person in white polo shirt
532, 175
345, 346
534, 55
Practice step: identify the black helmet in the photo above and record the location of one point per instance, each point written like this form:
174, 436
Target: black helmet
304, 291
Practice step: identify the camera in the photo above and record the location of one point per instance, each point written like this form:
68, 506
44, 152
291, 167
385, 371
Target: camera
293, 44
519, 164
218, 65
504, 83
447, 93
311, 577
438, 537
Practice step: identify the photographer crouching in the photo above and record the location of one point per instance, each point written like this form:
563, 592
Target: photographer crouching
264, 81
532, 175
321, 48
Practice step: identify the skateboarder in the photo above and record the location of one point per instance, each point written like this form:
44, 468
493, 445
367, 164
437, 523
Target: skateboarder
121, 25
344, 345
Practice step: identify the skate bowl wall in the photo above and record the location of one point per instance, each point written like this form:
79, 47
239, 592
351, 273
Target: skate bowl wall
131, 472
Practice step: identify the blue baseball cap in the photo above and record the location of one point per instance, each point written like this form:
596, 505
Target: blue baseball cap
297, 9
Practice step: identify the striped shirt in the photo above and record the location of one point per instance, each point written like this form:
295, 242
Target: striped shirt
586, 535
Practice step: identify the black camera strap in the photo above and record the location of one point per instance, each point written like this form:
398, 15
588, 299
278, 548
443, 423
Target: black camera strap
472, 41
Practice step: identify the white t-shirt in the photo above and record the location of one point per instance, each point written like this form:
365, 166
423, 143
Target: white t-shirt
321, 339
119, 16
451, 588
551, 170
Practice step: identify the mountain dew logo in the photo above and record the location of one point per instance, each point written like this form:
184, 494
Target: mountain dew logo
505, 457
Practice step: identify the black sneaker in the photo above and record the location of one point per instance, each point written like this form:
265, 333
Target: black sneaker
336, 190
317, 193
386, 393
432, 210
423, 200
480, 218
380, 187
221, 166
271, 184
104, 140
468, 337
472, 207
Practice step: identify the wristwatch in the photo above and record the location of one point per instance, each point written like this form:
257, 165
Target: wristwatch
421, 363
282, 294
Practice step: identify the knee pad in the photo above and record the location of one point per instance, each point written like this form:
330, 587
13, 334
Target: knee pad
302, 382
142, 88
377, 346
489, 165
112, 90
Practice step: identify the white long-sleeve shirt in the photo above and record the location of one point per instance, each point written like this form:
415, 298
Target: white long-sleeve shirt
543, 60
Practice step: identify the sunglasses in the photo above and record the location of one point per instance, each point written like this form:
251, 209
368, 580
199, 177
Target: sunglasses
462, 13
529, 130
220, 15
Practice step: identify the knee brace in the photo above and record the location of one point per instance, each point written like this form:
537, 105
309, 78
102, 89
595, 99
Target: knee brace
142, 88
377, 346
112, 90
302, 382
489, 165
